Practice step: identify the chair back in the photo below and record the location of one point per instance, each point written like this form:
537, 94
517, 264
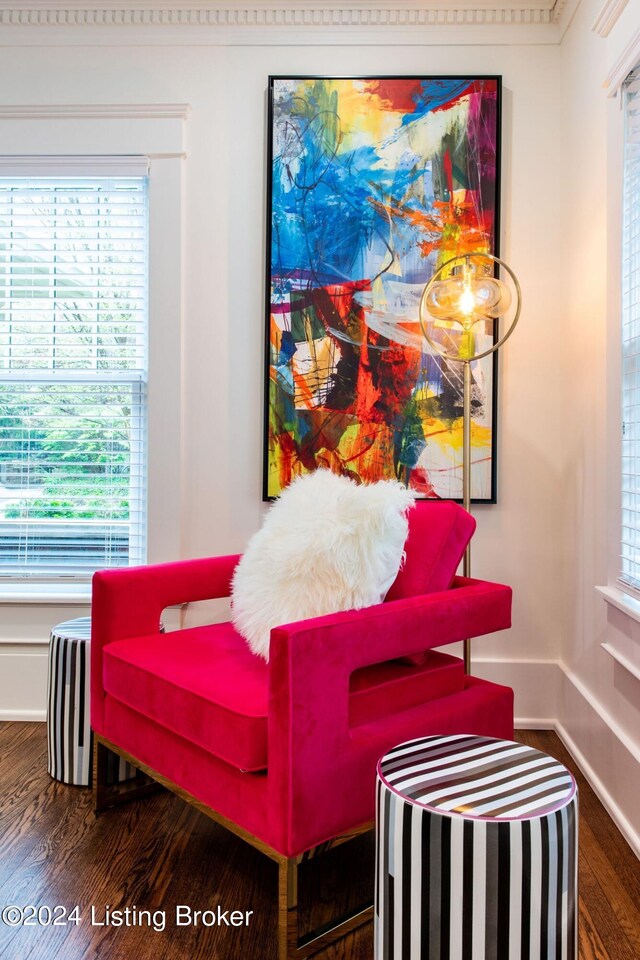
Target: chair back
439, 531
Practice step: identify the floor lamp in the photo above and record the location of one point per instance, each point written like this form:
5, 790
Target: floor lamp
462, 299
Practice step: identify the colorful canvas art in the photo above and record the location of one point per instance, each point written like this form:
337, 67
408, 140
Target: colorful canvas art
374, 184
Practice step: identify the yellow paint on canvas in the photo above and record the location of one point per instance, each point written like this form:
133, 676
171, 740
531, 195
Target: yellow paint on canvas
451, 436
362, 127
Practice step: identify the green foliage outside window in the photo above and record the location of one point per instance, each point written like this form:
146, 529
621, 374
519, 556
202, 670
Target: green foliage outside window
75, 439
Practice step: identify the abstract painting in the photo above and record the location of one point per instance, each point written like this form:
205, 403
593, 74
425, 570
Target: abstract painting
374, 183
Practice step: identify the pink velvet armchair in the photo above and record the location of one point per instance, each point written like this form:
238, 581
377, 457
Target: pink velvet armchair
284, 753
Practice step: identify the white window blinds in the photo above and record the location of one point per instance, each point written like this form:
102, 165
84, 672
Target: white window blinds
630, 539
73, 362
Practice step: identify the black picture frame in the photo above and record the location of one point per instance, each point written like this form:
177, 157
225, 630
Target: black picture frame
284, 157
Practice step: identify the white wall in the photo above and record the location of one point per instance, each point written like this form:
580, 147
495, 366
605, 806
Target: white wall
518, 541
599, 705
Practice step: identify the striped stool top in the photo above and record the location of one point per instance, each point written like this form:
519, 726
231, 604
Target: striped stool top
477, 777
78, 629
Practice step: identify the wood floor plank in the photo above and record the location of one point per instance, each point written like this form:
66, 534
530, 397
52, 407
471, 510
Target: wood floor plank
20, 753
590, 946
612, 891
19, 792
32, 800
14, 735
611, 934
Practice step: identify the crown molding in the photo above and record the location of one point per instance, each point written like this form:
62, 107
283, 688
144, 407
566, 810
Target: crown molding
381, 14
608, 17
101, 111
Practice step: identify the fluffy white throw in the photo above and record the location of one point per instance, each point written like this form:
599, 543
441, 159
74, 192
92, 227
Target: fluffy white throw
326, 544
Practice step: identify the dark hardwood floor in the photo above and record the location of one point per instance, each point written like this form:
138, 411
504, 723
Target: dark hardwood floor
159, 852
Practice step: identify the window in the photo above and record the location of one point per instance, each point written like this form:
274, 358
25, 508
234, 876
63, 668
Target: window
73, 372
630, 541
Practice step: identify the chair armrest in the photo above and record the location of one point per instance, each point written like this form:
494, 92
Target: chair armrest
311, 662
357, 638
129, 602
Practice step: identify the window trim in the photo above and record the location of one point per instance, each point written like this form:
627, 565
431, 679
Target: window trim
623, 278
160, 139
622, 600
615, 592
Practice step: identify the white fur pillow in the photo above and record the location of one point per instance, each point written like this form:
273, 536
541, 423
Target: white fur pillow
327, 544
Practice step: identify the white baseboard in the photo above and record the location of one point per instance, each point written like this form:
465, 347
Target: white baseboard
25, 716
534, 723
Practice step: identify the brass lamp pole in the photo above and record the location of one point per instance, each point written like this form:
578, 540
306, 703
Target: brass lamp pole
463, 292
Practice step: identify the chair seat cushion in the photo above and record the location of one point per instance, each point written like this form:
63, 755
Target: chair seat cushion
205, 685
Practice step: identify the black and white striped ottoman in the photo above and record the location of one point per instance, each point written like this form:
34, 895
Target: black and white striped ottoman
476, 855
69, 736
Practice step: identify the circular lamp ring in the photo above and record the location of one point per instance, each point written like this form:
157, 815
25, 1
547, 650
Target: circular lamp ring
459, 259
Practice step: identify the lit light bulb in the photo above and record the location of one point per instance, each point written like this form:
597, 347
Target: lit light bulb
467, 303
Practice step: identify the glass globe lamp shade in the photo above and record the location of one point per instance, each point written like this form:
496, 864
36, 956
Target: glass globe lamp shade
468, 295
492, 297
443, 298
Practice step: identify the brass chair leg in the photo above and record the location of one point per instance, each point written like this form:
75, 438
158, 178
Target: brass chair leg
100, 791
287, 908
291, 946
